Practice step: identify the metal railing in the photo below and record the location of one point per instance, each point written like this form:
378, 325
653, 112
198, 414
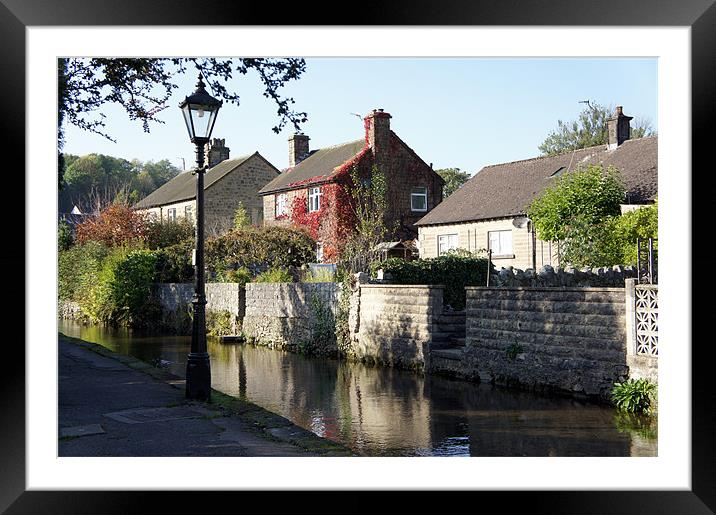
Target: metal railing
647, 262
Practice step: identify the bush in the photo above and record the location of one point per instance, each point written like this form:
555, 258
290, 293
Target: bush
275, 275
454, 271
116, 226
240, 276
259, 248
167, 233
64, 235
122, 288
634, 396
77, 269
173, 264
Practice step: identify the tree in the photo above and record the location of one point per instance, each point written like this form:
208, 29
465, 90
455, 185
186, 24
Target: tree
454, 178
143, 86
589, 130
586, 195
369, 200
241, 217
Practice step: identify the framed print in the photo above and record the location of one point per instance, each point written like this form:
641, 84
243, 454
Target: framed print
680, 38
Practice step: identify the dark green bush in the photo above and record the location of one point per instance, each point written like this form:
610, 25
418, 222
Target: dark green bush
259, 248
65, 239
173, 264
451, 270
167, 233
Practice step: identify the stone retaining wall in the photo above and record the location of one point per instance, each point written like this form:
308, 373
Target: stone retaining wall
568, 339
547, 276
294, 316
226, 299
395, 324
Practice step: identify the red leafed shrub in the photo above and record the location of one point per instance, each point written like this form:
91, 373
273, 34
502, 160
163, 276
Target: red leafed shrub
116, 226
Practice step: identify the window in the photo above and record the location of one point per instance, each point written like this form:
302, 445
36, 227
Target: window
281, 204
500, 242
188, 212
314, 199
419, 199
559, 172
171, 214
446, 242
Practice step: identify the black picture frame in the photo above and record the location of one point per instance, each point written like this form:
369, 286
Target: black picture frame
16, 15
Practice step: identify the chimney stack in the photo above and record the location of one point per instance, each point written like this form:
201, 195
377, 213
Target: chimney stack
297, 148
377, 134
618, 129
215, 152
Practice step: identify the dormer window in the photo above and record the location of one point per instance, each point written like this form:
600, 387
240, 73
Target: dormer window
314, 199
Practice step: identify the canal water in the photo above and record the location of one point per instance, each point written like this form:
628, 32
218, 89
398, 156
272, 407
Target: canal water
379, 411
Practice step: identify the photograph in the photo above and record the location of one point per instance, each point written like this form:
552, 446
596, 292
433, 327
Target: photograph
419, 258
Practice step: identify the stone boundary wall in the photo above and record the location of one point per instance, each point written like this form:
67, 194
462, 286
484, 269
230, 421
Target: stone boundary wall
395, 324
564, 339
292, 316
547, 276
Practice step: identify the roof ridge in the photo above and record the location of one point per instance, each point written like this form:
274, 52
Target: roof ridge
338, 145
604, 147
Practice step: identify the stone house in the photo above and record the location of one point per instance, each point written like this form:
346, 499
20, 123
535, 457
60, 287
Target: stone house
489, 210
317, 181
227, 183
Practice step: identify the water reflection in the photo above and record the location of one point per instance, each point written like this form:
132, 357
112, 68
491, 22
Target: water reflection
381, 411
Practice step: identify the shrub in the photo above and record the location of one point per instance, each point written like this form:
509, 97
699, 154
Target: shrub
241, 217
77, 269
116, 226
259, 248
321, 275
634, 396
240, 276
173, 263
166, 233
64, 235
275, 275
454, 271
122, 288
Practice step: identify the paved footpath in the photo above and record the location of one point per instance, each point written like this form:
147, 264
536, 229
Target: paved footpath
114, 405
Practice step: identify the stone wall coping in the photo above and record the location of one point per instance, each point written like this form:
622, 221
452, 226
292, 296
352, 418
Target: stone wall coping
547, 288
405, 286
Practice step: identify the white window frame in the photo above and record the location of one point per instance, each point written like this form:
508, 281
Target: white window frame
281, 204
504, 244
415, 195
314, 199
189, 212
171, 214
452, 241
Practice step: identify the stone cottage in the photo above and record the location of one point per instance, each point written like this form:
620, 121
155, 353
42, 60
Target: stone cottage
313, 190
489, 211
227, 183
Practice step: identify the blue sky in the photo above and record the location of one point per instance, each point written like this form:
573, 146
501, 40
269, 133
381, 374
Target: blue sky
465, 113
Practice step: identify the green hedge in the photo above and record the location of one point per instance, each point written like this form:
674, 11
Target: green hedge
260, 248
453, 271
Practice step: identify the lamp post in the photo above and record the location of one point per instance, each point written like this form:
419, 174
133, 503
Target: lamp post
199, 110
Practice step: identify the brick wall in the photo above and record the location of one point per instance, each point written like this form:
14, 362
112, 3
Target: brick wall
568, 339
294, 316
395, 324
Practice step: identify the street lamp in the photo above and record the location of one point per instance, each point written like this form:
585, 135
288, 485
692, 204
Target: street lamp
199, 110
